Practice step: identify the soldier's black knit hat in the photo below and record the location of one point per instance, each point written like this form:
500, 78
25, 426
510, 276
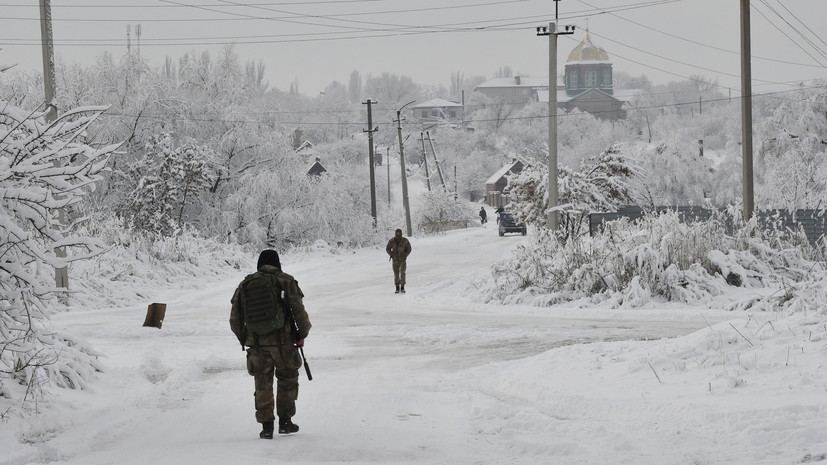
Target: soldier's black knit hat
268, 257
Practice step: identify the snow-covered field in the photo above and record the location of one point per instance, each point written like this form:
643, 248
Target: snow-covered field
435, 377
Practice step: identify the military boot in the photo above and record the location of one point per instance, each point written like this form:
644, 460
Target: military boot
402, 289
287, 427
397, 289
266, 430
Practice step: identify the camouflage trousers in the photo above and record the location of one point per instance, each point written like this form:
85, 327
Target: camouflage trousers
399, 267
284, 362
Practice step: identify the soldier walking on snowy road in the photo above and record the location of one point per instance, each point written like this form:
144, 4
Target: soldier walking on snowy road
398, 249
269, 319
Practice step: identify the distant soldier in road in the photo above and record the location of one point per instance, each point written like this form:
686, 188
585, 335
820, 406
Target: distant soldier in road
483, 216
398, 249
269, 319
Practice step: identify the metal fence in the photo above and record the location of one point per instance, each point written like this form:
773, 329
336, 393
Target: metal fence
812, 222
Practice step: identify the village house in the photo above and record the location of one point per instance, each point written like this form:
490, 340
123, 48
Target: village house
438, 110
316, 169
496, 188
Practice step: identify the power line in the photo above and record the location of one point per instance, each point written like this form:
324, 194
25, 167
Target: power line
802, 23
733, 52
302, 2
755, 7
775, 94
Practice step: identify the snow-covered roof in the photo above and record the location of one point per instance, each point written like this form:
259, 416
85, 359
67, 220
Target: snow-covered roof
501, 172
438, 103
623, 95
306, 145
512, 82
627, 94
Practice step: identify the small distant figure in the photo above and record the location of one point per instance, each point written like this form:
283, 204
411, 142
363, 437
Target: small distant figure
398, 250
499, 211
483, 216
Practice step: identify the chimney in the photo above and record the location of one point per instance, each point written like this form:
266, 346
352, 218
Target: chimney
517, 78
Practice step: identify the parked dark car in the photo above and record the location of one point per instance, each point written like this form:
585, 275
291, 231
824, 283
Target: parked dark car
508, 225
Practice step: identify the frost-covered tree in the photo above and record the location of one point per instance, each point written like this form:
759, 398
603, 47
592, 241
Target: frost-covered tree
44, 168
354, 87
602, 183
677, 174
792, 155
168, 181
392, 90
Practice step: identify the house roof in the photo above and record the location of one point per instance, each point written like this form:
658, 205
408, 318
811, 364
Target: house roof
316, 168
438, 103
623, 95
306, 145
501, 172
529, 82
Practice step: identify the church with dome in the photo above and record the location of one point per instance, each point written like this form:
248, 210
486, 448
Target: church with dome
587, 85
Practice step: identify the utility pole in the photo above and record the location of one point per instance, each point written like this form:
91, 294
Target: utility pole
436, 160
456, 184
48, 59
405, 203
370, 130
388, 158
138, 37
61, 274
746, 111
552, 34
425, 160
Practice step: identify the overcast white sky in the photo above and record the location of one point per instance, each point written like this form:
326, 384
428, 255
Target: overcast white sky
319, 41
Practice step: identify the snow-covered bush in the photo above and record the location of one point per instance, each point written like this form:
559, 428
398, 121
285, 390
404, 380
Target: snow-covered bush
137, 264
660, 257
440, 206
45, 168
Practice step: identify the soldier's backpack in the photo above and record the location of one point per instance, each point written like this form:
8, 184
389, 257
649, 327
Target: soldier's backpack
261, 303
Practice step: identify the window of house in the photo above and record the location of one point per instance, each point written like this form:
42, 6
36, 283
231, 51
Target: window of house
453, 114
572, 78
607, 77
591, 78
434, 113
424, 114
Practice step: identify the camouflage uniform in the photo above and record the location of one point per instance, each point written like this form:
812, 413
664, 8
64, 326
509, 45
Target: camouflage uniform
398, 249
274, 352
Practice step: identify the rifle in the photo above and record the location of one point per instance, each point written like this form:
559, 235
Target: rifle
294, 329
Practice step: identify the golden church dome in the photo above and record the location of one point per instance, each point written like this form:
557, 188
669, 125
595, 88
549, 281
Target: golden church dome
587, 51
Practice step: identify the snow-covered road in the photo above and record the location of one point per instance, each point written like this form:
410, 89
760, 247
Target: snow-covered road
429, 377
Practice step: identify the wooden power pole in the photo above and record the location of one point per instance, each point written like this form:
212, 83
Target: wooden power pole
370, 130
61, 274
746, 111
